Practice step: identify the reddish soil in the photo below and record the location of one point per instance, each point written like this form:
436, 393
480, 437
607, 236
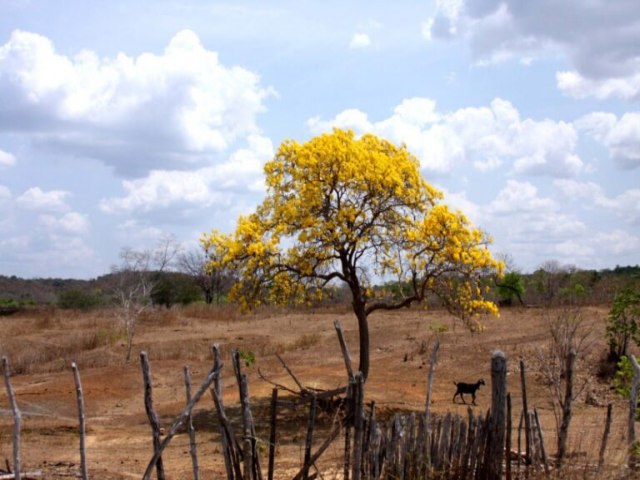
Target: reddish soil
118, 433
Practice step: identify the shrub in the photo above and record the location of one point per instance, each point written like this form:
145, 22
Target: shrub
622, 325
80, 300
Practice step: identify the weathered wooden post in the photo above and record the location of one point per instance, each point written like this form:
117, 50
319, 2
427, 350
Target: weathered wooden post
151, 413
543, 452
497, 422
633, 405
227, 436
509, 427
272, 435
311, 423
527, 419
432, 366
17, 417
358, 425
84, 474
605, 437
193, 451
180, 421
344, 349
563, 433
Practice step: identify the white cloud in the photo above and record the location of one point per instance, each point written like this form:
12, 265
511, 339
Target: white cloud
37, 199
618, 241
241, 174
620, 136
520, 197
6, 159
5, 194
598, 38
360, 40
574, 84
625, 205
69, 223
172, 109
484, 137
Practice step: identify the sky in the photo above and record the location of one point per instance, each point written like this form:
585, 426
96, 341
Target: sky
124, 121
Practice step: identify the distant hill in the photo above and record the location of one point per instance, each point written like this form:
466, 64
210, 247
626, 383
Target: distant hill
541, 287
43, 291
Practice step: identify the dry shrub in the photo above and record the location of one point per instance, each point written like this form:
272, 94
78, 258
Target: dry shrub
56, 351
304, 342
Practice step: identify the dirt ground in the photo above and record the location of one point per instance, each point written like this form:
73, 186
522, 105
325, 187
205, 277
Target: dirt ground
118, 434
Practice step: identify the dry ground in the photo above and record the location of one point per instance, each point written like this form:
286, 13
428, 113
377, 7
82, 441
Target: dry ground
40, 347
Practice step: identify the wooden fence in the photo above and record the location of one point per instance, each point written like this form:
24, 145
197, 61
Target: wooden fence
419, 445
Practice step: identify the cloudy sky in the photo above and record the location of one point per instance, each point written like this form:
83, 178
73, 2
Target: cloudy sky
124, 120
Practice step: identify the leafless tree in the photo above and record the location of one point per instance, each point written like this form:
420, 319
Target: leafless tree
569, 337
135, 278
212, 281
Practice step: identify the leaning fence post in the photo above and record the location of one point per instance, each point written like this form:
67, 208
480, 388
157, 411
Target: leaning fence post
344, 348
527, 420
17, 416
180, 421
190, 428
605, 437
226, 433
81, 421
498, 410
151, 413
543, 452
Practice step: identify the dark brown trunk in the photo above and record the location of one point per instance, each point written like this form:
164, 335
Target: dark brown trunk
363, 333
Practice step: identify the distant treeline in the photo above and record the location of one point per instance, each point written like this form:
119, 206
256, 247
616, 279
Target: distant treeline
551, 284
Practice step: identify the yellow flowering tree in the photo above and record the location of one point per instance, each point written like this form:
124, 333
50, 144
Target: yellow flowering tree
355, 210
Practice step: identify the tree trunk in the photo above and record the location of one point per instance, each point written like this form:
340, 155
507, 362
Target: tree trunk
363, 332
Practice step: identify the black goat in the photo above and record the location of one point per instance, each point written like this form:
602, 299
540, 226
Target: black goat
462, 388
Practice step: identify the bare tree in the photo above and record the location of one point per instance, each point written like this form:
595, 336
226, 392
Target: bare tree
569, 339
135, 277
213, 282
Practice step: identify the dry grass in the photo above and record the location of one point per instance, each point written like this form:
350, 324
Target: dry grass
44, 342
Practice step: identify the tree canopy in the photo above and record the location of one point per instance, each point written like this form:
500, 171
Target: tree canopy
355, 210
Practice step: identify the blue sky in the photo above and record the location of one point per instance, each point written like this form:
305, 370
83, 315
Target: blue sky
123, 121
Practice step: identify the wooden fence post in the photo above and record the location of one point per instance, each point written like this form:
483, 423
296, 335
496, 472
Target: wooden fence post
508, 447
151, 413
179, 422
605, 437
190, 428
543, 452
432, 366
527, 419
81, 422
633, 405
498, 411
563, 433
17, 416
272, 435
358, 424
344, 348
227, 436
308, 444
